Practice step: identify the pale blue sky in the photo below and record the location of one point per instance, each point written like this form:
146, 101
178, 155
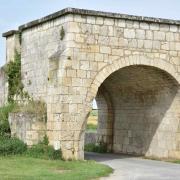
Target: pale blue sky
16, 12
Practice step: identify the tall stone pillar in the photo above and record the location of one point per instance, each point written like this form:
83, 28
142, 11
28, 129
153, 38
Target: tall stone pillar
13, 39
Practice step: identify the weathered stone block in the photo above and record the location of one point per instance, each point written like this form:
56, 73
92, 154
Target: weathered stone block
159, 35
129, 33
105, 50
140, 34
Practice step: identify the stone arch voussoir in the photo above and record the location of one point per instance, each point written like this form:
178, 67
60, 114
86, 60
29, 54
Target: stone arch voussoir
125, 62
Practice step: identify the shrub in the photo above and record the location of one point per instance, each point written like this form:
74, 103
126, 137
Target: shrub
43, 151
4, 124
11, 146
45, 140
100, 148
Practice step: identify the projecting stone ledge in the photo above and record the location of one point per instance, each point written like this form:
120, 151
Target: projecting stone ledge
91, 13
10, 33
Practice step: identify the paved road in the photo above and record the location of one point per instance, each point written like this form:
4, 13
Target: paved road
136, 168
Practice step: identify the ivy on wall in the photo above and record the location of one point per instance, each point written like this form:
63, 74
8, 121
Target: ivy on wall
13, 72
16, 88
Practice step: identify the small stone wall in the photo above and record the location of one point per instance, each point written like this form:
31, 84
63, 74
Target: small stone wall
90, 138
27, 127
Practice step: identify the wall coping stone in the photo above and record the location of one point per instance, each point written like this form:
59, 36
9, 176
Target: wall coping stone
10, 33
70, 10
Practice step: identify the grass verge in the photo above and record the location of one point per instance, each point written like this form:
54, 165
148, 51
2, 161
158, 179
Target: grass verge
175, 161
27, 168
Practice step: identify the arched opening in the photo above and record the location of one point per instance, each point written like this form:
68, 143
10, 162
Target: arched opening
138, 112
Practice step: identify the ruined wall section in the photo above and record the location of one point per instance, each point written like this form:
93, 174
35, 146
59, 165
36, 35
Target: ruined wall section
28, 127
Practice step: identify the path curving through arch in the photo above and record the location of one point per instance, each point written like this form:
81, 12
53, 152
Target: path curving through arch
136, 168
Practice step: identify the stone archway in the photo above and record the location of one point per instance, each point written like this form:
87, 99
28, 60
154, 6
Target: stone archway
159, 91
127, 61
68, 72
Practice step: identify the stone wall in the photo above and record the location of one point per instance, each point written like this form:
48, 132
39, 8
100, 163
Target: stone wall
42, 49
105, 118
27, 127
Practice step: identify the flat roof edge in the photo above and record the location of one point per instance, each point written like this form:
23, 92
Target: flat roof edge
93, 13
10, 33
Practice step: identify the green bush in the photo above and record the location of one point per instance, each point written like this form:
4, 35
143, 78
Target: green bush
4, 124
45, 140
44, 152
11, 146
100, 148
14, 146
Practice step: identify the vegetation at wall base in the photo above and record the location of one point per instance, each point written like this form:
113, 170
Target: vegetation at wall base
11, 146
175, 161
4, 124
41, 161
99, 148
42, 150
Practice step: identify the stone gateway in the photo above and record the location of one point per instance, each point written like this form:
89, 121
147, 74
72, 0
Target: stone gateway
129, 64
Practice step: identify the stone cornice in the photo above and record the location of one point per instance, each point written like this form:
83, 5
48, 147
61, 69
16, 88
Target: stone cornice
92, 13
10, 33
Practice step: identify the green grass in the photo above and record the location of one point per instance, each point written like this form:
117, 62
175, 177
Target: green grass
175, 161
26, 168
91, 127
